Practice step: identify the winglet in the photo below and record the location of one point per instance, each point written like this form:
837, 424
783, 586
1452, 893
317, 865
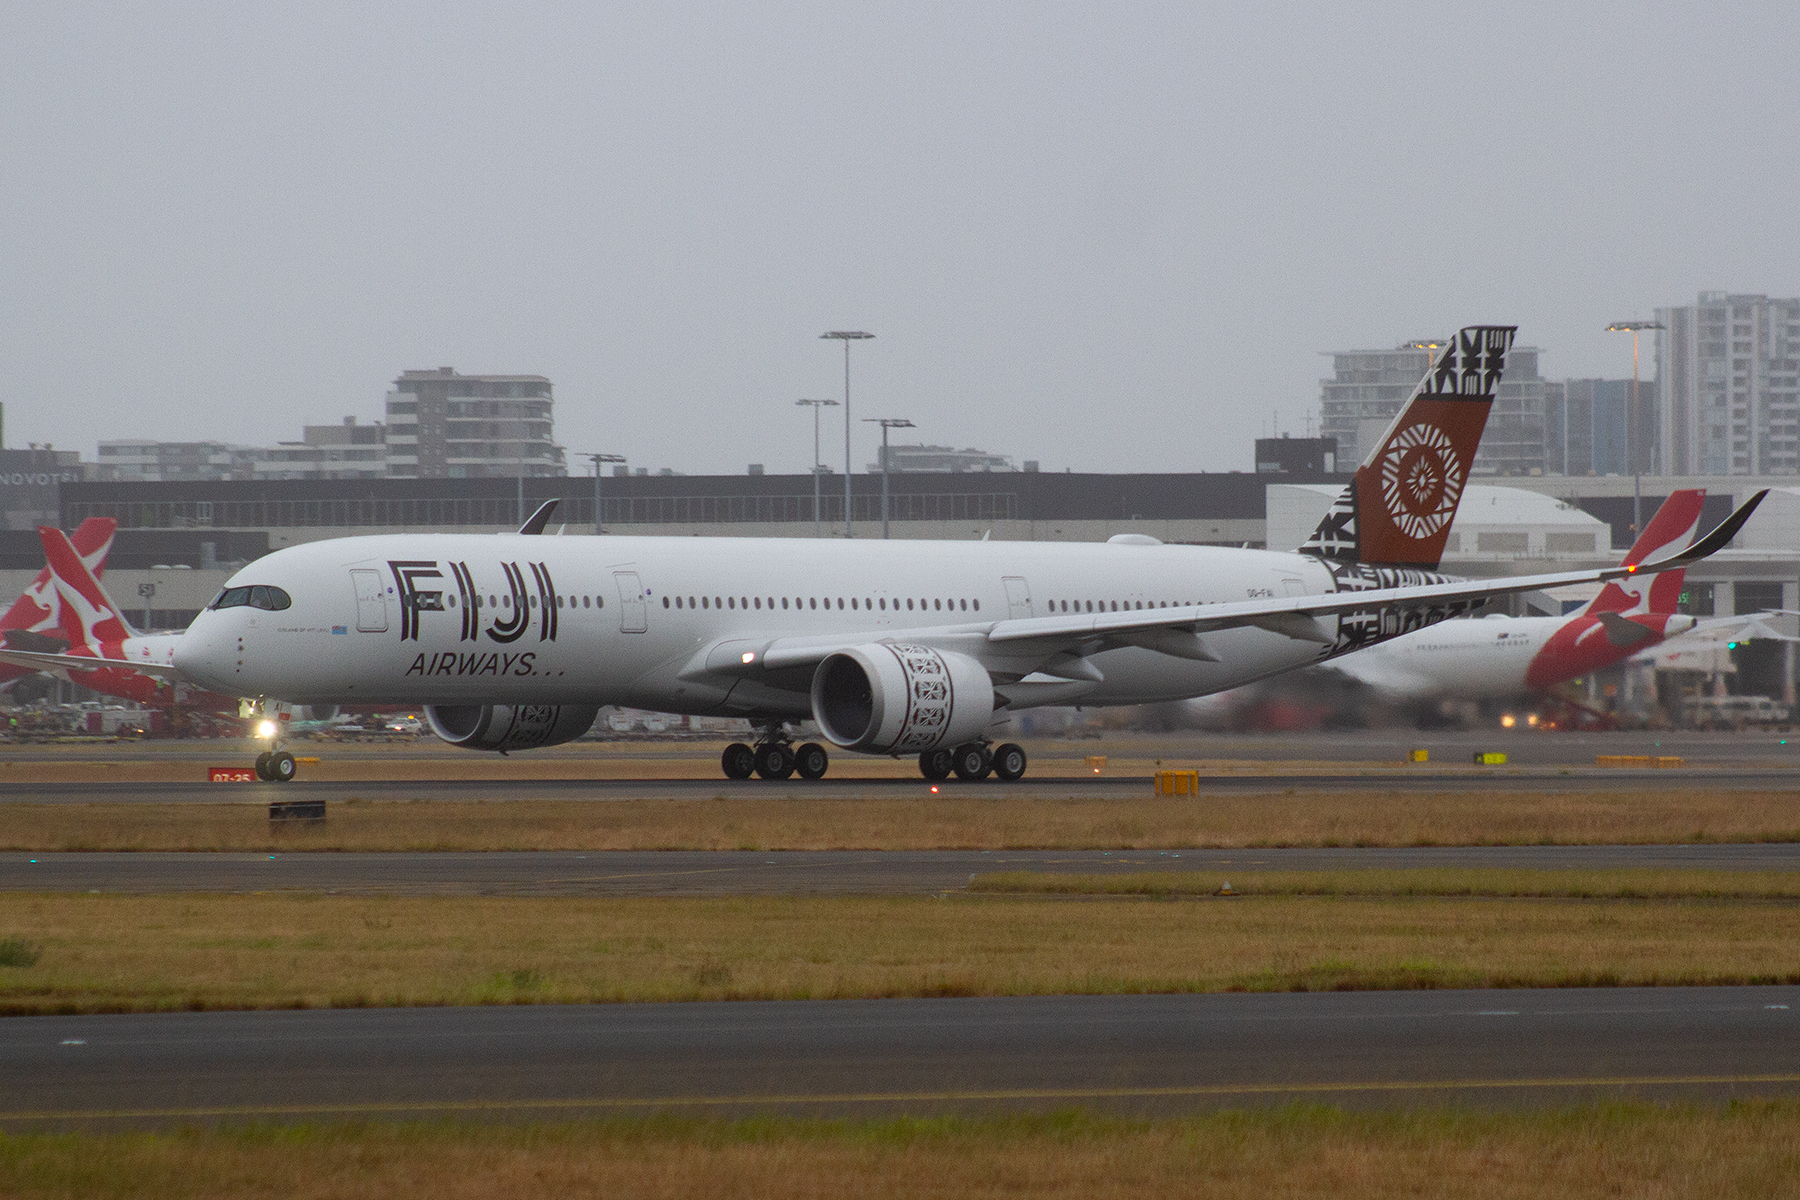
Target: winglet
540, 518
1707, 546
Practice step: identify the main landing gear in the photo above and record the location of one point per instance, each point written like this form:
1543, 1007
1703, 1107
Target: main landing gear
775, 757
973, 761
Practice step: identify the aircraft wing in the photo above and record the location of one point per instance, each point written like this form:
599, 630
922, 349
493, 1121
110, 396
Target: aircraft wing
36, 661
1177, 631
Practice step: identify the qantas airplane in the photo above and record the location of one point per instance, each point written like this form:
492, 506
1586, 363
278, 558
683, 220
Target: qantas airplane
515, 641
35, 620
1509, 656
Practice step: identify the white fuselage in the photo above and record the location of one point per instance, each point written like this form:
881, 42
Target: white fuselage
1479, 657
639, 616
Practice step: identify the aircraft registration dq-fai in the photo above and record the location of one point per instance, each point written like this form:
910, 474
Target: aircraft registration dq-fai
514, 641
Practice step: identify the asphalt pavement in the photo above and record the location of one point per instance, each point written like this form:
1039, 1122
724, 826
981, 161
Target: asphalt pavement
1140, 1054
788, 872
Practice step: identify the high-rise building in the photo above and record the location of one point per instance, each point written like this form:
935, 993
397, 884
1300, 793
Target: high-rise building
141, 461
1368, 387
444, 425
1585, 426
347, 451
1727, 397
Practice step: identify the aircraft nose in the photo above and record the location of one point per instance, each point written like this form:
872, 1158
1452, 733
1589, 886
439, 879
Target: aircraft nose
206, 653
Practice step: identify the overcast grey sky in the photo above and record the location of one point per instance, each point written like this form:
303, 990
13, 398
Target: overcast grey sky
1108, 237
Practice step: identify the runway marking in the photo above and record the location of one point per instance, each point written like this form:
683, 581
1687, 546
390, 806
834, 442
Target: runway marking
1146, 1093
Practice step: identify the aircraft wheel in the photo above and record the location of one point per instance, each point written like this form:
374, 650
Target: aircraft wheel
937, 764
811, 761
973, 762
774, 761
282, 766
739, 761
1009, 762
262, 765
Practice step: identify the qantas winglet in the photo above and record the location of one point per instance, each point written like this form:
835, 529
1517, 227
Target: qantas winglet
540, 518
1707, 546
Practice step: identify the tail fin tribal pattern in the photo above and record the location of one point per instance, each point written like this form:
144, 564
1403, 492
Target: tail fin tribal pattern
1397, 510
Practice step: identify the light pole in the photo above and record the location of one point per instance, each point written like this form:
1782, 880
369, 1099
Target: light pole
886, 424
847, 336
1631, 422
816, 405
599, 461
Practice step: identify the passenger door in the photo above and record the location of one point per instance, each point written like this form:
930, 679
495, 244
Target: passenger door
371, 601
1018, 597
634, 614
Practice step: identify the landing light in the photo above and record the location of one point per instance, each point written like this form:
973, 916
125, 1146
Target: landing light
266, 729
1508, 721
749, 656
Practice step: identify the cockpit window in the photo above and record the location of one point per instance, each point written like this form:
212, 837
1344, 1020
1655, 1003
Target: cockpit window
270, 598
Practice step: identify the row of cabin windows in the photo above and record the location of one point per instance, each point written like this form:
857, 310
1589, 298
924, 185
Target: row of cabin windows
1128, 605
506, 601
815, 602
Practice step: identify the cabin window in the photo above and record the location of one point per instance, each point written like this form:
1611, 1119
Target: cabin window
909, 607
840, 604
559, 602
600, 602
703, 603
506, 601
532, 600
585, 601
759, 602
450, 600
665, 602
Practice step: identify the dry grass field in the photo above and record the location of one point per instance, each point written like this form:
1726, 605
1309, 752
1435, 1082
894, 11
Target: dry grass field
101, 953
957, 819
1750, 1150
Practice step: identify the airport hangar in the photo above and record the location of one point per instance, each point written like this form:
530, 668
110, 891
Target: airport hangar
179, 541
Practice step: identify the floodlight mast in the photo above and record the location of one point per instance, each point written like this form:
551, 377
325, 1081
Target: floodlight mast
1631, 422
847, 336
816, 405
886, 424
600, 469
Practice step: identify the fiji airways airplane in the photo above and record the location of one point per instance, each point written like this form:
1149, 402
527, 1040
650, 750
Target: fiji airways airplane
515, 641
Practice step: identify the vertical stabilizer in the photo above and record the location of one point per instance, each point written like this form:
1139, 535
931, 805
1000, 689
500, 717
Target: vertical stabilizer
90, 620
1397, 510
1673, 528
36, 609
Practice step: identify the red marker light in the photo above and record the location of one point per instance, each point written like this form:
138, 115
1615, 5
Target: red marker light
934, 789
1631, 570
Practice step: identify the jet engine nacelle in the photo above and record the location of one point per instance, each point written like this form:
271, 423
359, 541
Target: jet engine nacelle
505, 727
895, 699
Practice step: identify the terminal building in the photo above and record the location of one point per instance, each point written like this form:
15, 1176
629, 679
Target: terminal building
178, 541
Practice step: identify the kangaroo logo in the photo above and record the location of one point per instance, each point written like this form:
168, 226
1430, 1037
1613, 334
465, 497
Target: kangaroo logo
1421, 480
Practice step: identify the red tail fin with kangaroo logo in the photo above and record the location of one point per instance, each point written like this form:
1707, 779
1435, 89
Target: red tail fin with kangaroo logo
1398, 509
1672, 528
90, 620
36, 610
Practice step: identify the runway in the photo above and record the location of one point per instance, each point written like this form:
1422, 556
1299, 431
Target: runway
792, 873
1099, 787
1139, 1054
